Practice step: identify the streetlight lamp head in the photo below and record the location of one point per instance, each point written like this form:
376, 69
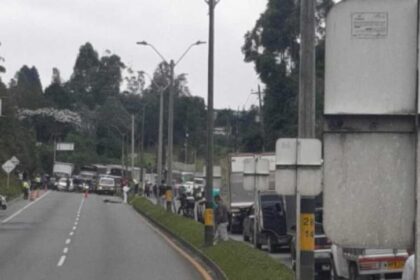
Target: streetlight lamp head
200, 43
144, 43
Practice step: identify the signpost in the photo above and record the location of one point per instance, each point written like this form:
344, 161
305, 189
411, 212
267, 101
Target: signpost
65, 147
299, 173
8, 167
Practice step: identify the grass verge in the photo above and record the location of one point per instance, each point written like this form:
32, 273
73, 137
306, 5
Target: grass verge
11, 192
238, 260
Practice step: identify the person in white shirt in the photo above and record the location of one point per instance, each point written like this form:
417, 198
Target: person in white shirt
125, 189
408, 272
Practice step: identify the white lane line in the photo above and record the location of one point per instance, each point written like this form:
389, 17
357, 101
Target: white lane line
61, 261
26, 206
71, 233
74, 228
66, 250
68, 240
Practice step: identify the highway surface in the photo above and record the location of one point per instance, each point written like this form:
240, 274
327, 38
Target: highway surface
66, 236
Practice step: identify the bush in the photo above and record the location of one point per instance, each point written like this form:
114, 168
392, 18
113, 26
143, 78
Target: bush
13, 191
238, 260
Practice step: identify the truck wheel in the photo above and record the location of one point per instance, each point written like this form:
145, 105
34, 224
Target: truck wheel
245, 237
270, 245
257, 245
353, 272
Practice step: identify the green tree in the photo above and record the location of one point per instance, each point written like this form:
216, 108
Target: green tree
82, 81
273, 46
27, 90
57, 94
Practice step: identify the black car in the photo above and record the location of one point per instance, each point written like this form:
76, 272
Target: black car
270, 223
322, 252
237, 213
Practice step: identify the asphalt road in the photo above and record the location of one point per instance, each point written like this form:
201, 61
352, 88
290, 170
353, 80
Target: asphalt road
64, 236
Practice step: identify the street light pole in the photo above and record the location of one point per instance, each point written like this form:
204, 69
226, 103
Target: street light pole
172, 65
208, 214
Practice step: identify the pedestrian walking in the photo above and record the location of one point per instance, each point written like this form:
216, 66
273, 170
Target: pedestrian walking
221, 220
162, 192
125, 189
408, 273
26, 188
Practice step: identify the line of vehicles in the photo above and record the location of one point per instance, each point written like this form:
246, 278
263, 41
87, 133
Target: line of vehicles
106, 179
265, 218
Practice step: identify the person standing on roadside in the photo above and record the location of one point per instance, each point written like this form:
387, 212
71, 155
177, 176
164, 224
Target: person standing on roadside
408, 273
125, 189
26, 188
221, 220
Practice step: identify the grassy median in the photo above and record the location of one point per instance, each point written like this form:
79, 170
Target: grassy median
238, 260
13, 191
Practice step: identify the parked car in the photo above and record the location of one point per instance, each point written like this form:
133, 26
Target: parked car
270, 224
106, 185
237, 213
79, 184
322, 252
65, 184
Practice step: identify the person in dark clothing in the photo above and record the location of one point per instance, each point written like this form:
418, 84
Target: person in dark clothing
221, 220
155, 192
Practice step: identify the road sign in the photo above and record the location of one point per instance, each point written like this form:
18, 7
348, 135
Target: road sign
256, 174
65, 147
8, 166
298, 166
15, 160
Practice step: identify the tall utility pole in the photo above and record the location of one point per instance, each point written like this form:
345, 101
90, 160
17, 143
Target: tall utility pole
170, 123
306, 129
261, 116
132, 145
208, 214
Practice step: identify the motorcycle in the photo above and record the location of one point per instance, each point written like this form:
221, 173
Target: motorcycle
3, 203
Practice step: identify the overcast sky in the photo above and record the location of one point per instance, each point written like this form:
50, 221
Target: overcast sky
48, 33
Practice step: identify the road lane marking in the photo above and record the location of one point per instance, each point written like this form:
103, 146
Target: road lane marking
204, 273
71, 233
68, 240
61, 261
26, 206
66, 250
74, 228
76, 223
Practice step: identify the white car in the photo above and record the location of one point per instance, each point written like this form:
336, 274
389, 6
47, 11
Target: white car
62, 185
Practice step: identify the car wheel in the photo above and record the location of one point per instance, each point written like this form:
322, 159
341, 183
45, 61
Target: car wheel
270, 245
257, 245
353, 273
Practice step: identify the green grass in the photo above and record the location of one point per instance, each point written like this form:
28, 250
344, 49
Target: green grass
14, 189
238, 260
